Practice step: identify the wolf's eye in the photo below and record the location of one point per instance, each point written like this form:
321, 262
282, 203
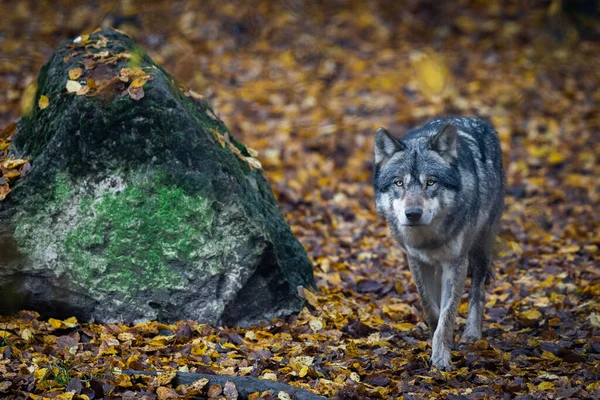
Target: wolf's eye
430, 182
398, 183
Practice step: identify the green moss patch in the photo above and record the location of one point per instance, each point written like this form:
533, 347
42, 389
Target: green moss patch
126, 241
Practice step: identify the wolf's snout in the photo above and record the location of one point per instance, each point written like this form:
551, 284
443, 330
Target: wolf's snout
413, 214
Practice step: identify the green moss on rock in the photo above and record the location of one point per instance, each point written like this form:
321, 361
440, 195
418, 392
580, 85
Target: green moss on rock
126, 240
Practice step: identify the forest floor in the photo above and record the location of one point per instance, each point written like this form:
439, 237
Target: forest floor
306, 86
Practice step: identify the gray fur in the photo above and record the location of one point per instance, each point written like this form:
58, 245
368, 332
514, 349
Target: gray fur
450, 171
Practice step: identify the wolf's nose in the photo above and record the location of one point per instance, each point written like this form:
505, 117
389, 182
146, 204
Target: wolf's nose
413, 214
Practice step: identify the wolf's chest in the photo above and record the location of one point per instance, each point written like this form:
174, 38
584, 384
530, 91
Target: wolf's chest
430, 251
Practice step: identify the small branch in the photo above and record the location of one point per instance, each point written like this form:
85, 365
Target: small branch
246, 385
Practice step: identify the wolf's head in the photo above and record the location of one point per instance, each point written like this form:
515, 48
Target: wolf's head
416, 178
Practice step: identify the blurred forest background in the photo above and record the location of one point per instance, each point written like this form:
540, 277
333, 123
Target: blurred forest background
306, 83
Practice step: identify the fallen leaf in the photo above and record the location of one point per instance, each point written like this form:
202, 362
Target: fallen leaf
4, 385
28, 98
139, 82
215, 390
281, 395
165, 393
230, 391
315, 324
84, 90
75, 73
432, 74
43, 102
73, 86
135, 93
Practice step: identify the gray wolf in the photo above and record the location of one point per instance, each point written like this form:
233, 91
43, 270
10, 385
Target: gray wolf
441, 189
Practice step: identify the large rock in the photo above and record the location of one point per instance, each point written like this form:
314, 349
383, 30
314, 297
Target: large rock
139, 204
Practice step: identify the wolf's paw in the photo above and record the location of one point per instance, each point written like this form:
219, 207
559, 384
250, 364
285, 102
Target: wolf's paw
470, 335
441, 359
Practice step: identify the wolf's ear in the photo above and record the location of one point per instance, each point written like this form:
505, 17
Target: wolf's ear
444, 142
386, 145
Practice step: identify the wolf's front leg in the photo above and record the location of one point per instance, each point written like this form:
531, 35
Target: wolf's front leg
427, 280
453, 286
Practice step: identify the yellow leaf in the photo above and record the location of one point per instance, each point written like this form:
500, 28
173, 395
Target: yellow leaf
12, 163
352, 349
310, 298
109, 351
555, 158
139, 82
5, 334
253, 153
73, 86
28, 98
432, 74
546, 386
164, 378
303, 371
70, 322
27, 334
75, 73
570, 249
546, 355
40, 374
123, 380
199, 349
548, 282
49, 339
481, 344
4, 191
592, 387
91, 83
531, 315
403, 327
199, 384
56, 323
126, 74
269, 376
43, 102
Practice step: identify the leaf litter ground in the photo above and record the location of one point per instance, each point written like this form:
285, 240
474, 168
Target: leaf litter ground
306, 86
